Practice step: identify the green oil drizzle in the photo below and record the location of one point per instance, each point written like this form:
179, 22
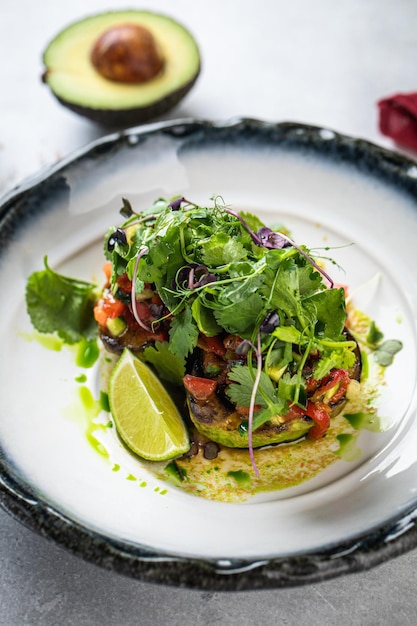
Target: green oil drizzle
82, 378
87, 353
115, 468
367, 421
143, 484
175, 473
365, 366
104, 401
50, 342
348, 448
242, 478
92, 409
131, 477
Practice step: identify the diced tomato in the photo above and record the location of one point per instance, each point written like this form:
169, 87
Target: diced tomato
124, 283
107, 269
294, 411
108, 307
211, 344
312, 384
156, 299
244, 410
159, 335
336, 377
319, 413
199, 388
143, 311
231, 342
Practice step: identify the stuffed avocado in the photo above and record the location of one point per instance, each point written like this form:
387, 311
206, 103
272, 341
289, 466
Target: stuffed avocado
256, 346
216, 417
238, 314
122, 68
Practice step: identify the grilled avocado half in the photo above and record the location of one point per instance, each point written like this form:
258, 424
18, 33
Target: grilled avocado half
216, 417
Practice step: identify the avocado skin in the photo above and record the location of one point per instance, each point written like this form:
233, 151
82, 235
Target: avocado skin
132, 113
130, 117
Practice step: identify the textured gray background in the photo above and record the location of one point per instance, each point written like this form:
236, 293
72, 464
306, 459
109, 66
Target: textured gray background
42, 585
320, 62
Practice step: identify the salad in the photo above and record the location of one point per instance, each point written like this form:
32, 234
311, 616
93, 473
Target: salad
240, 317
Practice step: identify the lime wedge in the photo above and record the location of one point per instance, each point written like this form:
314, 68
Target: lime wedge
145, 416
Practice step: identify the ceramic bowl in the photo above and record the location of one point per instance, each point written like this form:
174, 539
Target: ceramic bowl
330, 191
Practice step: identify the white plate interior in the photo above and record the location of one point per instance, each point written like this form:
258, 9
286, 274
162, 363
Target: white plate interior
43, 425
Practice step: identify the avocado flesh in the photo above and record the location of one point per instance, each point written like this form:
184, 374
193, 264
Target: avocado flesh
75, 82
215, 422
227, 431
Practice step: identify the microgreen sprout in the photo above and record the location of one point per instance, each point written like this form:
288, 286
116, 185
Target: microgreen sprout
258, 353
244, 347
143, 250
126, 211
268, 238
175, 204
200, 276
272, 239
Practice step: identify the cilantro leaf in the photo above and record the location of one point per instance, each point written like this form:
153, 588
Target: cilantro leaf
264, 415
240, 317
309, 280
183, 334
282, 287
60, 304
241, 390
329, 308
169, 366
252, 220
339, 359
221, 249
289, 334
204, 319
289, 387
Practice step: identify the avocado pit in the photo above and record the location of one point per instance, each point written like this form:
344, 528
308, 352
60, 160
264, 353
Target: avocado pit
127, 53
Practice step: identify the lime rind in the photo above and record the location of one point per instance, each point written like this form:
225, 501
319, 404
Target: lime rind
146, 418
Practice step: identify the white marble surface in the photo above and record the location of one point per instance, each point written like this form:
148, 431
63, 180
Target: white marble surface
321, 62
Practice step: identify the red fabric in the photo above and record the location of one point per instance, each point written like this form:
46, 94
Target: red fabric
398, 118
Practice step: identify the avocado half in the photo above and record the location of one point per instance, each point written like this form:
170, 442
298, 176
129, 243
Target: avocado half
213, 420
217, 419
76, 82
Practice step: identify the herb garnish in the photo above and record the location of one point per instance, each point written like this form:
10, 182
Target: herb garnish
60, 304
214, 273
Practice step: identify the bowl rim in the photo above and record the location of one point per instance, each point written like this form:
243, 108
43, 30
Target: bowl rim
358, 553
